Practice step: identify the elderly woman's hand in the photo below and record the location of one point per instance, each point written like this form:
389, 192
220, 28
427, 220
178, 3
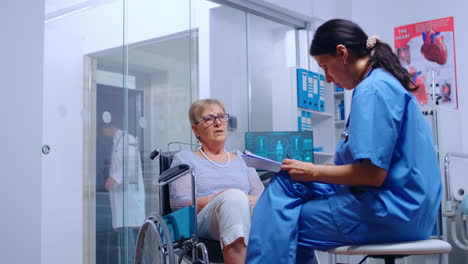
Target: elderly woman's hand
299, 170
252, 199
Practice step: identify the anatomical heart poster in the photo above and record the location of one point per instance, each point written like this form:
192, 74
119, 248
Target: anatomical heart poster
427, 51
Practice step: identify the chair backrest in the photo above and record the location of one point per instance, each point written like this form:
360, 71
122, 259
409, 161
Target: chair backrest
165, 161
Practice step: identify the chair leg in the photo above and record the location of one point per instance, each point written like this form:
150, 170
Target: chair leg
364, 259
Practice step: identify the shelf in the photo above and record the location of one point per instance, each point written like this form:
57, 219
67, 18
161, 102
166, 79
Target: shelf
317, 115
339, 95
324, 154
340, 122
323, 157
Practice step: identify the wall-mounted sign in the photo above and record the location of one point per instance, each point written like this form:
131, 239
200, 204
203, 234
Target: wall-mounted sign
427, 51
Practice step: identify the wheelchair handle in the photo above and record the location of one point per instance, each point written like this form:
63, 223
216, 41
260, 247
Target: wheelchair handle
155, 153
173, 173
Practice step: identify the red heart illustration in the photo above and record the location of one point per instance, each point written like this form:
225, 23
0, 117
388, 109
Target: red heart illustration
434, 48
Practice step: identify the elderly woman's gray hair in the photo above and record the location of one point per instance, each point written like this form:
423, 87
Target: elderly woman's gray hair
197, 108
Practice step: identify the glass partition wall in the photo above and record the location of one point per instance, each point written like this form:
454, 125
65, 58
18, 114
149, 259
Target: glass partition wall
119, 78
140, 93
136, 112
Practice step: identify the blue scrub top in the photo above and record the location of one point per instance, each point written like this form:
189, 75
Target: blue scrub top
386, 125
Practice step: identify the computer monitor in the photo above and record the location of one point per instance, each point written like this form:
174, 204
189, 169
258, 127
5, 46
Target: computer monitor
277, 145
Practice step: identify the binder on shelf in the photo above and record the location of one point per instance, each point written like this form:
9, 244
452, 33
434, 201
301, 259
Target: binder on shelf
339, 110
305, 89
338, 88
304, 120
342, 110
310, 90
321, 92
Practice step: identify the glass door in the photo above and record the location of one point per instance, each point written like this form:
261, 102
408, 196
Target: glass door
119, 77
142, 91
73, 29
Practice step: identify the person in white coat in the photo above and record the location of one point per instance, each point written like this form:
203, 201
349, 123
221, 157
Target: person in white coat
126, 190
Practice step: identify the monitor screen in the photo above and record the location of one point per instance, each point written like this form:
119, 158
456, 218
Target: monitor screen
277, 145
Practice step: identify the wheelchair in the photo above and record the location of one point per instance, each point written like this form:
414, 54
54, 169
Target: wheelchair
170, 237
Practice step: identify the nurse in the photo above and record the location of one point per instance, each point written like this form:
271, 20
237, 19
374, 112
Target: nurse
385, 184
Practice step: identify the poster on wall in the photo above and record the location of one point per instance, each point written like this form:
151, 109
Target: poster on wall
427, 51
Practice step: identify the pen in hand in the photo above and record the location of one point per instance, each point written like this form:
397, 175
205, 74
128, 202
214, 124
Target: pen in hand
287, 156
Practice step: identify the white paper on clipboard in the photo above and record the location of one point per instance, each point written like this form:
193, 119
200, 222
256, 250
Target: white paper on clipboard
258, 162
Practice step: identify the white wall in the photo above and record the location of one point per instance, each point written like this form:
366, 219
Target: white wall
21, 122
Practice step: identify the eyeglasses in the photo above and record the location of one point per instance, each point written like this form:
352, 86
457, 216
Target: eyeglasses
210, 119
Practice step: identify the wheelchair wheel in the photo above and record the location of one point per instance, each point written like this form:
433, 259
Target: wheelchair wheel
154, 244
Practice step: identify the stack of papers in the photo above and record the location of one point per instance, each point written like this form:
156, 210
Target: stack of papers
258, 162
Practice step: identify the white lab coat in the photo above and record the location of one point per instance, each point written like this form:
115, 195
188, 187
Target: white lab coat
127, 195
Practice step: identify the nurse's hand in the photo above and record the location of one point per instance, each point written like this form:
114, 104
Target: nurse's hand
299, 170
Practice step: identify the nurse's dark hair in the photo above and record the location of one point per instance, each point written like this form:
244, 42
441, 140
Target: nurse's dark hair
345, 32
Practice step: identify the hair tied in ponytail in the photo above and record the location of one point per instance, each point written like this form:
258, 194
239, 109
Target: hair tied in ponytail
371, 41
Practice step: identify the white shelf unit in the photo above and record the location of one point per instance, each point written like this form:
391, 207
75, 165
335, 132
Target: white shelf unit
318, 116
323, 157
338, 95
323, 125
339, 122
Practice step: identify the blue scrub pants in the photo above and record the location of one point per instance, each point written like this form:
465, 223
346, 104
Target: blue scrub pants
292, 219
276, 236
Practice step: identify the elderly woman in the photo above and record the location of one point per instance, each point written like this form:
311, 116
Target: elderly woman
226, 188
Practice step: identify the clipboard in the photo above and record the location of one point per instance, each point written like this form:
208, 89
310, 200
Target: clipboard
259, 162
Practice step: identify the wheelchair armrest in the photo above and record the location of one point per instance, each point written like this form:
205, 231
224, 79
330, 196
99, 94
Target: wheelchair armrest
173, 173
